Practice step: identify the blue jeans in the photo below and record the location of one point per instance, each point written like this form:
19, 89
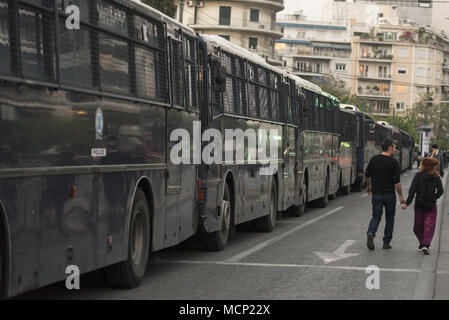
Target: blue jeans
389, 202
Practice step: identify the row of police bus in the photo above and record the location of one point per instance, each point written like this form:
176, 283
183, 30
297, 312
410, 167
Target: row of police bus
86, 123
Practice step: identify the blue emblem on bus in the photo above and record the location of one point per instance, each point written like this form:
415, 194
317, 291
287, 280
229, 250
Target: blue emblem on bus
99, 124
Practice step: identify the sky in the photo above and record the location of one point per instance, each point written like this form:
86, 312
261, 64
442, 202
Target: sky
311, 8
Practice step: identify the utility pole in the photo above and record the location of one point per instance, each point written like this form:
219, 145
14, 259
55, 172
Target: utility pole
181, 10
394, 110
429, 106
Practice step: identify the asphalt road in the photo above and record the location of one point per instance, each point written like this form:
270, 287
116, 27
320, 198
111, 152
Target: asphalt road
321, 255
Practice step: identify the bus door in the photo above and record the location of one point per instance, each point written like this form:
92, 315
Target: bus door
288, 166
173, 171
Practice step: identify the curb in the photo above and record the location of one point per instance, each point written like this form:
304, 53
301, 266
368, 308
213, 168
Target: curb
441, 291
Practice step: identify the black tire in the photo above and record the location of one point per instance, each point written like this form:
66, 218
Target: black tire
268, 222
3, 258
129, 273
322, 202
357, 187
299, 210
346, 190
217, 241
295, 211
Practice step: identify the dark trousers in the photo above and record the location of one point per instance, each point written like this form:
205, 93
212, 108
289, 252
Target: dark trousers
379, 201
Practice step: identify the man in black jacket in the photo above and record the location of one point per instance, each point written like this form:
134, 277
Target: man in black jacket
385, 172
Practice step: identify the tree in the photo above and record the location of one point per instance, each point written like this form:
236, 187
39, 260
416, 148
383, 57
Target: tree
435, 115
166, 6
338, 89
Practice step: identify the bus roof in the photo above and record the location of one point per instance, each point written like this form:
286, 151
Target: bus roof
254, 58
154, 12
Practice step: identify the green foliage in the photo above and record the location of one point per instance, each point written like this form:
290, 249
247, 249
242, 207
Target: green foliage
435, 115
166, 6
338, 89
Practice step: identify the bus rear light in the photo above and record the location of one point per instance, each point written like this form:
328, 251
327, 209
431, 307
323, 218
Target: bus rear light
201, 195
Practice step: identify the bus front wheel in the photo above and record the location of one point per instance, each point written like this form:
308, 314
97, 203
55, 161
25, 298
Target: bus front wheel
129, 273
217, 241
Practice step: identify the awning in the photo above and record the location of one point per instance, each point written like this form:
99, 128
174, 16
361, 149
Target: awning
322, 45
338, 46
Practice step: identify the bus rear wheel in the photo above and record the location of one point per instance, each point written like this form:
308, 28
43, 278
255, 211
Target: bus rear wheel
268, 222
322, 202
217, 241
2, 264
298, 211
346, 190
129, 273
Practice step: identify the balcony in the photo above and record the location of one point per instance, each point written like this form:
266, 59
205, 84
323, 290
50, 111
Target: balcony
377, 58
381, 112
266, 30
308, 71
386, 77
278, 5
379, 92
446, 66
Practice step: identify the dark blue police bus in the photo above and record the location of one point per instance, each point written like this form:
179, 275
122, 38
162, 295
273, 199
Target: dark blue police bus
86, 123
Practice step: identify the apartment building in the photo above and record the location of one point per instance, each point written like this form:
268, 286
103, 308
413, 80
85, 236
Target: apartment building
250, 24
312, 49
396, 64
388, 61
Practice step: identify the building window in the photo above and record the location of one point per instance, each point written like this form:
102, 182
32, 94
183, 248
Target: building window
402, 71
422, 53
382, 72
254, 15
421, 72
401, 88
364, 70
437, 75
253, 43
340, 66
301, 35
302, 66
318, 68
403, 52
438, 57
225, 16
400, 106
224, 36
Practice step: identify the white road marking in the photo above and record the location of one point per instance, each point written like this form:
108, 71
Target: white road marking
364, 195
268, 242
442, 272
338, 254
286, 265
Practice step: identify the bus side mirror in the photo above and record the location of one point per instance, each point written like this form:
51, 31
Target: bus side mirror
305, 109
219, 77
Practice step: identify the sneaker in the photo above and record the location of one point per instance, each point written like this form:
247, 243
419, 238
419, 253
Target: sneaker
370, 242
386, 246
426, 251
420, 248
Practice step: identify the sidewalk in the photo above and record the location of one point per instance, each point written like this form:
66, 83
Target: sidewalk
442, 268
